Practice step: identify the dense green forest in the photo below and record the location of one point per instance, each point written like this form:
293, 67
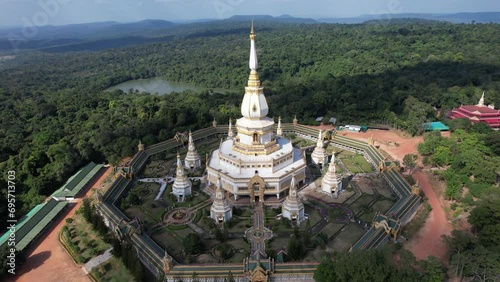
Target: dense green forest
55, 115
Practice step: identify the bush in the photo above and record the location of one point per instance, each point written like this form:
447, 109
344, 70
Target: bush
80, 259
197, 216
69, 220
177, 227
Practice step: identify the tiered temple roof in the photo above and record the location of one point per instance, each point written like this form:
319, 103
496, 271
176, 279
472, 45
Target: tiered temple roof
478, 113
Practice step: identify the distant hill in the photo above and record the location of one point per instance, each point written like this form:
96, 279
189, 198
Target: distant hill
282, 18
481, 17
106, 35
91, 30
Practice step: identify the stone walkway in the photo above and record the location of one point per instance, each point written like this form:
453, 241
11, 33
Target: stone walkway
258, 234
98, 260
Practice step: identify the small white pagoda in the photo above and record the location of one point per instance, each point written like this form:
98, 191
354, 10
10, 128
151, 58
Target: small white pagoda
230, 132
319, 155
182, 186
292, 208
192, 160
279, 130
220, 211
331, 183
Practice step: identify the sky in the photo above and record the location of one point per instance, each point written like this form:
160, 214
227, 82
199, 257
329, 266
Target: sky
61, 12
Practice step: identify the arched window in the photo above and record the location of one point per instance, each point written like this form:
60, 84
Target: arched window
255, 137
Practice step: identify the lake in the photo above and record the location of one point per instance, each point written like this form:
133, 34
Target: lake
159, 85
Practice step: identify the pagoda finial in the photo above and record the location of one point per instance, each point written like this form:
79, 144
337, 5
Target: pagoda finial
332, 167
481, 101
253, 52
179, 162
320, 139
279, 131
230, 133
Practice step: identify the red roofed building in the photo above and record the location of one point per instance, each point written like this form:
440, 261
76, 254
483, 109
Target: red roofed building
478, 113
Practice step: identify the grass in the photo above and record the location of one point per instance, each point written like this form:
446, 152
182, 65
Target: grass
89, 243
331, 228
346, 238
412, 228
363, 200
241, 247
240, 227
170, 241
367, 216
382, 205
314, 215
112, 270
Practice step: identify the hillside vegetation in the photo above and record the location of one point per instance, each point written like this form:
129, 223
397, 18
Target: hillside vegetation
55, 115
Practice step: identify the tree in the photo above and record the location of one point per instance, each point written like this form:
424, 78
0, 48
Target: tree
433, 270
410, 161
192, 244
325, 272
295, 248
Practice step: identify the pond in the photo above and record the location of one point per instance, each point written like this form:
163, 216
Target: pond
160, 86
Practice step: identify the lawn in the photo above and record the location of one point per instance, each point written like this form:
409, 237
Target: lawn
382, 205
331, 228
170, 241
112, 270
313, 213
367, 216
88, 243
355, 163
362, 201
346, 238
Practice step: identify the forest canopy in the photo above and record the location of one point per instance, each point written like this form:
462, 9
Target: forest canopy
56, 116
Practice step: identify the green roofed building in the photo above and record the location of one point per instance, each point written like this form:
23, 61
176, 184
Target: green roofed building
76, 183
33, 224
435, 126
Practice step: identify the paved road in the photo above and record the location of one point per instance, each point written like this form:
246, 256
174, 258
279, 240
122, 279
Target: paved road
97, 260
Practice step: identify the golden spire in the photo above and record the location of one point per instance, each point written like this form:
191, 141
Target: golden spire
252, 32
253, 80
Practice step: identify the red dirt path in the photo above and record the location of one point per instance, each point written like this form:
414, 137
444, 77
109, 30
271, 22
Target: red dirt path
428, 241
48, 261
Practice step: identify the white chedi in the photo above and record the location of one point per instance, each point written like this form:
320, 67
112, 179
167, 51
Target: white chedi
253, 162
319, 155
221, 210
192, 160
292, 208
182, 185
331, 183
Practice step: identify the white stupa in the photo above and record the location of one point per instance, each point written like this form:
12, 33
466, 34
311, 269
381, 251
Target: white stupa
220, 211
255, 162
319, 155
279, 130
192, 160
332, 182
292, 208
182, 186
230, 132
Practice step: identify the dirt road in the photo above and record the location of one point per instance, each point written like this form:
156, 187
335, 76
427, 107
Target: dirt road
48, 261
